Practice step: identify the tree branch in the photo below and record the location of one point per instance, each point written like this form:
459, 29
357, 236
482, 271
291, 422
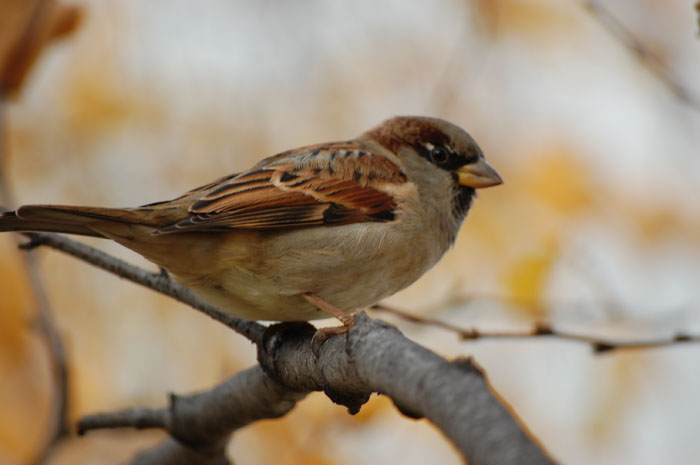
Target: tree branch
375, 357
248, 396
372, 357
599, 345
201, 424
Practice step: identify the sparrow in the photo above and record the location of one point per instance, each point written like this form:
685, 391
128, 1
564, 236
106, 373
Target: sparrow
323, 229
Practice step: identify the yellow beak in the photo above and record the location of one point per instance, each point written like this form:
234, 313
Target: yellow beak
478, 175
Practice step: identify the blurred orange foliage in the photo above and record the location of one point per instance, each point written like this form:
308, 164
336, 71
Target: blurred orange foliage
151, 100
15, 304
22, 366
531, 20
559, 180
661, 223
527, 280
26, 27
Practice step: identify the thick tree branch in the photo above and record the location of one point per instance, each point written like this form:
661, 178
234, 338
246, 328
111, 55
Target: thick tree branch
375, 357
372, 357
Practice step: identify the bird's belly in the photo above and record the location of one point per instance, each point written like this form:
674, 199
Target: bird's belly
365, 267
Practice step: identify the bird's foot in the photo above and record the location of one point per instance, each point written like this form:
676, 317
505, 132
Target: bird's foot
323, 334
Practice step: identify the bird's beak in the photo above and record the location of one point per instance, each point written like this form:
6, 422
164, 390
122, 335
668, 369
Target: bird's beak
479, 174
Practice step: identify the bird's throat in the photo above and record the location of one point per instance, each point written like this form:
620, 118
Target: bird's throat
462, 201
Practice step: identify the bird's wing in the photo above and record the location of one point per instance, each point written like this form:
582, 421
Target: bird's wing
332, 184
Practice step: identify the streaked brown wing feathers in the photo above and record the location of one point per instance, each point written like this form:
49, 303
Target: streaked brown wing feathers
298, 194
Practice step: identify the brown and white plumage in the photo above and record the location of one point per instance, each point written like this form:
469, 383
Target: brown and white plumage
351, 222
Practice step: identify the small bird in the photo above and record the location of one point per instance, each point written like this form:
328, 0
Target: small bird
322, 229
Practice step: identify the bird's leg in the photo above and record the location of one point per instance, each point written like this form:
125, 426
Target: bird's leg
322, 334
344, 317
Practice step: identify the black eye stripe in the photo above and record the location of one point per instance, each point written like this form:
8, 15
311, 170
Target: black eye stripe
444, 157
470, 159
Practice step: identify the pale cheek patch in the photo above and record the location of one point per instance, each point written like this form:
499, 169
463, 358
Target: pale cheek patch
407, 192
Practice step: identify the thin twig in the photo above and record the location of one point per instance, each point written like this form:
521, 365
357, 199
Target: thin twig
139, 418
57, 356
248, 396
159, 282
599, 345
650, 60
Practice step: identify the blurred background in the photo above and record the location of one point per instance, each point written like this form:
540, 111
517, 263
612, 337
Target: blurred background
595, 231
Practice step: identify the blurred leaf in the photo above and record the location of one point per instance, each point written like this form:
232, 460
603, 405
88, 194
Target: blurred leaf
24, 387
625, 378
560, 181
527, 278
105, 448
663, 222
531, 19
26, 26
14, 304
94, 101
295, 439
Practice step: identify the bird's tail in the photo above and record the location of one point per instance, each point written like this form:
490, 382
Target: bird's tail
85, 221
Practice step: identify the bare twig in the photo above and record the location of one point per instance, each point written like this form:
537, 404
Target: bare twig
159, 282
248, 396
651, 61
139, 418
57, 357
599, 345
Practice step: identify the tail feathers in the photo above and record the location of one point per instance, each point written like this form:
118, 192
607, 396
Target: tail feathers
85, 221
9, 221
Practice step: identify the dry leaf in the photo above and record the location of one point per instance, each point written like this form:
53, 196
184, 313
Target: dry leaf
26, 26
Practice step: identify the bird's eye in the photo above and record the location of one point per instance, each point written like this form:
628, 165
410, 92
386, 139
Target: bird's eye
439, 155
